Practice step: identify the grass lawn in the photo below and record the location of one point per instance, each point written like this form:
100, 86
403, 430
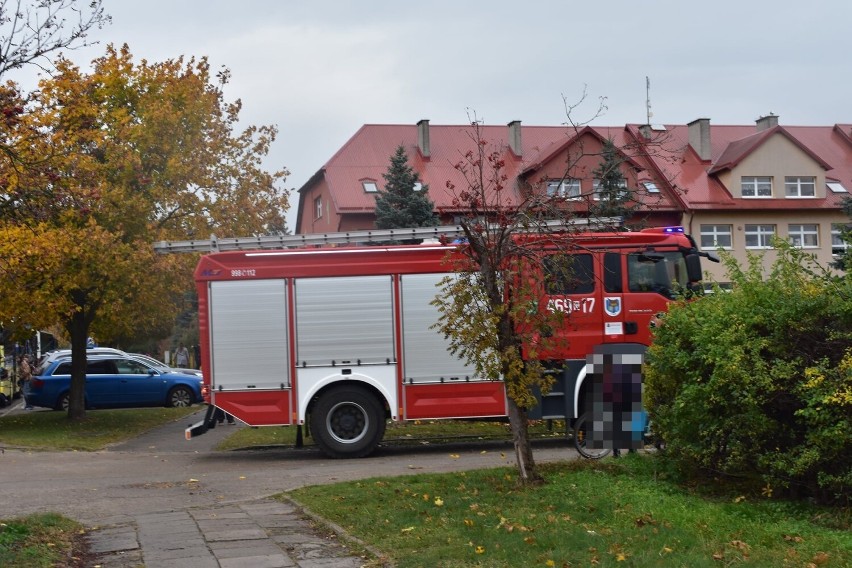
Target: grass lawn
40, 541
47, 430
611, 513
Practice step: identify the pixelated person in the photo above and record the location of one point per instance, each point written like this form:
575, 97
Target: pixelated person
617, 416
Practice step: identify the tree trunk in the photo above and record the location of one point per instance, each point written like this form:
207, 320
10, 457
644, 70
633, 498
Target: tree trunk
78, 329
527, 471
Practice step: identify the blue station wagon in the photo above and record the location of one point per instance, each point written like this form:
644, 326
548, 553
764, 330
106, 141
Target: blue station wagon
113, 381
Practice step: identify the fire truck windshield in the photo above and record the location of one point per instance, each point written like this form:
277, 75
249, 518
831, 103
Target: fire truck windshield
663, 273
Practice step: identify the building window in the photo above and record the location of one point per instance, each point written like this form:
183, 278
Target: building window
651, 187
759, 236
756, 186
800, 186
838, 245
418, 186
716, 236
318, 207
370, 186
804, 236
568, 188
596, 190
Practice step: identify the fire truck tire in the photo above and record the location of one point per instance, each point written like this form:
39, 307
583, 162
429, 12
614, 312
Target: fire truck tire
582, 426
347, 422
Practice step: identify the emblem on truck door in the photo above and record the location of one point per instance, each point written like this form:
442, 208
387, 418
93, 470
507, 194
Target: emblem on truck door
612, 306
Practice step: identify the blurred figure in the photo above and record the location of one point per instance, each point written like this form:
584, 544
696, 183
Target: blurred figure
25, 374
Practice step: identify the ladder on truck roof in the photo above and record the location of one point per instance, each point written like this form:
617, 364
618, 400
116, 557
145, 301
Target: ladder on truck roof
214, 244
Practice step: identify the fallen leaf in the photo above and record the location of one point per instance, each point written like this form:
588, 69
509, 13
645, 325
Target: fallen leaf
439, 502
407, 529
820, 558
480, 550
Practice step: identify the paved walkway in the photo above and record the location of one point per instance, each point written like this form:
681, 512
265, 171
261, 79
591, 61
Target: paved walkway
257, 534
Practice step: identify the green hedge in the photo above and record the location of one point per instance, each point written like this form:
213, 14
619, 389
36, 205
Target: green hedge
757, 383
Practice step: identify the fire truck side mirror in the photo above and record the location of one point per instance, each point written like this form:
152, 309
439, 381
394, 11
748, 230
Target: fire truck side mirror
693, 267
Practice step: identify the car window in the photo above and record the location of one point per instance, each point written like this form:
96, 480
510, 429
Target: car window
102, 367
63, 368
131, 367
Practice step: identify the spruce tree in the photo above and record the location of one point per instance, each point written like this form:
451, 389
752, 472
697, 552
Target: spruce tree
613, 197
398, 205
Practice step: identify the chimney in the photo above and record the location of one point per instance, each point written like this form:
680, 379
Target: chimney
767, 122
699, 137
423, 138
515, 138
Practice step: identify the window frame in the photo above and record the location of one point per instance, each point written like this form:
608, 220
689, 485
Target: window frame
838, 246
802, 233
563, 188
756, 182
623, 192
797, 182
318, 207
370, 186
715, 233
764, 237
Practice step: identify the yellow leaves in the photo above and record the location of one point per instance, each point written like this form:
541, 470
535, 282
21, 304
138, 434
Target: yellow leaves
439, 502
480, 549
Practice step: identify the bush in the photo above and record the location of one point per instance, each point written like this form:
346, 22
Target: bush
757, 383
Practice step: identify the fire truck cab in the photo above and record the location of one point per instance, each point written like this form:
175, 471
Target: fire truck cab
341, 339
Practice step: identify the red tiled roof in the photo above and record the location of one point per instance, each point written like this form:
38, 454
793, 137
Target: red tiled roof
366, 156
687, 181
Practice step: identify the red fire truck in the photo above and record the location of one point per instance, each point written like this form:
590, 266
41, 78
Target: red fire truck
341, 339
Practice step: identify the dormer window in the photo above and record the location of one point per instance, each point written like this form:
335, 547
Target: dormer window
370, 186
568, 188
756, 186
800, 186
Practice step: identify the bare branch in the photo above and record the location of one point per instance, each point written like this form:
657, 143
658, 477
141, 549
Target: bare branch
32, 30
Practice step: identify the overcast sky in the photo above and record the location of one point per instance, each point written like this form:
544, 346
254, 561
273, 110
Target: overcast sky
318, 70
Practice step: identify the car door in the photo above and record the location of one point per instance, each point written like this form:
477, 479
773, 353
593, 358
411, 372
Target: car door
140, 384
101, 383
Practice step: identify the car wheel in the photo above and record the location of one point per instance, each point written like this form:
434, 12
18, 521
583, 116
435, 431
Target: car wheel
347, 422
63, 402
180, 397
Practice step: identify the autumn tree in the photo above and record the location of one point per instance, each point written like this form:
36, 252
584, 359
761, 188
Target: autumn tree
404, 202
127, 155
492, 306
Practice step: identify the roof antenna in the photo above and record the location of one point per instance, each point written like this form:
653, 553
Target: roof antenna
648, 113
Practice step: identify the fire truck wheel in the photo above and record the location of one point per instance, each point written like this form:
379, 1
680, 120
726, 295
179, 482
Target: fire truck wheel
347, 422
